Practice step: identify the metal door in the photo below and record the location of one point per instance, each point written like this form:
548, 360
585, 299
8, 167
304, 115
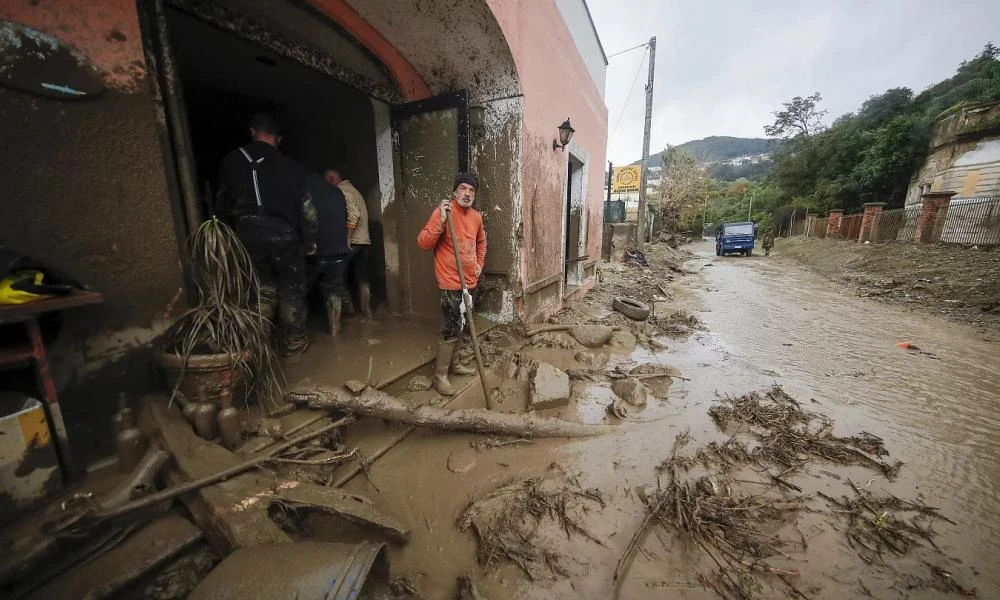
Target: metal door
432, 138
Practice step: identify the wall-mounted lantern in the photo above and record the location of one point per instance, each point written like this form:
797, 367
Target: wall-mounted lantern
566, 132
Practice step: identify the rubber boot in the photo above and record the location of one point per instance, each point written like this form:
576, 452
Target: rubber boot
333, 309
457, 368
294, 337
441, 384
365, 301
347, 304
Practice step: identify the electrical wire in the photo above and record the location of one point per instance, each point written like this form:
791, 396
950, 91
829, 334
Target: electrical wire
629, 97
610, 56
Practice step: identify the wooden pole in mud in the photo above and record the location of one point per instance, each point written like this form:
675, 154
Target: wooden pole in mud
467, 299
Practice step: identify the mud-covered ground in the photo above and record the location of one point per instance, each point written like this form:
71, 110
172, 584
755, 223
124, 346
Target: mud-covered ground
958, 282
782, 444
553, 518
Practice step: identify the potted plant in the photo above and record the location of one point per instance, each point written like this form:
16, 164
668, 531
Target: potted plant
224, 340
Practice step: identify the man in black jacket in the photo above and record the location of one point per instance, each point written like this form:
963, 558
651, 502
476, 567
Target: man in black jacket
331, 245
263, 196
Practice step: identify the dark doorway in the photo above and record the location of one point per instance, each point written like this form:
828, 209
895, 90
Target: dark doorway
224, 80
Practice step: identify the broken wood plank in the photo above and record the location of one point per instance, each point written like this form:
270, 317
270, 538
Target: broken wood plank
232, 513
184, 487
140, 553
373, 403
354, 508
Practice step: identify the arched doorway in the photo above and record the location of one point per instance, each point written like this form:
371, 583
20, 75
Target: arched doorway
363, 82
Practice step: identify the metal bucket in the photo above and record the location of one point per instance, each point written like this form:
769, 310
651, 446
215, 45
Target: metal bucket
301, 570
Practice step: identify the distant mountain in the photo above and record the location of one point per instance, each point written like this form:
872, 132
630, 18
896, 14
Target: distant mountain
720, 148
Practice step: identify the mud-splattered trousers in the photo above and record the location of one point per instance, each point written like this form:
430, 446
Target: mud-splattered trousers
452, 318
278, 255
330, 278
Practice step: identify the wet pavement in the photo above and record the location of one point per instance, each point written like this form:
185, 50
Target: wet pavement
768, 321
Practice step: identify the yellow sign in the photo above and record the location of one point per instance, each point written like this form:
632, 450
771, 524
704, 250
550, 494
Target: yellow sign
626, 179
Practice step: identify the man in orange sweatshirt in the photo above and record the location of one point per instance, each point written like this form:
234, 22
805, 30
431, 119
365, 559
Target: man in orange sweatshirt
472, 252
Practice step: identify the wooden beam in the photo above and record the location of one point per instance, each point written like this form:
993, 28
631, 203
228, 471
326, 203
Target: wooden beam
233, 514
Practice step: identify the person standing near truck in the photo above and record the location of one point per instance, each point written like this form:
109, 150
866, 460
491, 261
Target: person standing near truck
768, 242
471, 243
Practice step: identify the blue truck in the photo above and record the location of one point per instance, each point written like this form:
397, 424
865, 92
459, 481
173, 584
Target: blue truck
735, 237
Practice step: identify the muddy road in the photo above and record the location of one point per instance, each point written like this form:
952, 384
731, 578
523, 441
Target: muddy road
767, 321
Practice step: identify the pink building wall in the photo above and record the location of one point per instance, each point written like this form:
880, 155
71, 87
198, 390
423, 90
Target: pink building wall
556, 85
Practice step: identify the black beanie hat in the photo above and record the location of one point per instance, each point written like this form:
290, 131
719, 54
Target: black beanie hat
468, 178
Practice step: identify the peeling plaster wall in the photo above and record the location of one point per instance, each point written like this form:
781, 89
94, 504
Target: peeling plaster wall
85, 192
964, 155
467, 53
453, 44
556, 84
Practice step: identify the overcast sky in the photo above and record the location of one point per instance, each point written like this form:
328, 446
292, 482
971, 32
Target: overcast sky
723, 67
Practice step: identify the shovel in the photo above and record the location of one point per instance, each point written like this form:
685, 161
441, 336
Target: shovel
467, 299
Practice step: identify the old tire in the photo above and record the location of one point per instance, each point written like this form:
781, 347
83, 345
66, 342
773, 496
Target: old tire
749, 252
633, 309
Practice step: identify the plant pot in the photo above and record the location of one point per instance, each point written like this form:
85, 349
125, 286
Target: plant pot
213, 372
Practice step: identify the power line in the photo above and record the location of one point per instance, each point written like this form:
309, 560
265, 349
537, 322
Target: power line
630, 90
628, 50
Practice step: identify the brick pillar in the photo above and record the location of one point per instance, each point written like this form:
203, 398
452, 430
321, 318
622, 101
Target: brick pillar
833, 223
871, 209
933, 203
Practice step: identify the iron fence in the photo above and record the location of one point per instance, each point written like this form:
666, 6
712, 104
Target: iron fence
819, 228
887, 224
898, 224
969, 221
850, 227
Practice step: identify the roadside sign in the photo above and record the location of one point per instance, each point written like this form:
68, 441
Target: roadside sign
627, 179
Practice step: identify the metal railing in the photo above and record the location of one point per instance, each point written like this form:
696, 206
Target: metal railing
819, 228
969, 221
898, 224
974, 220
850, 227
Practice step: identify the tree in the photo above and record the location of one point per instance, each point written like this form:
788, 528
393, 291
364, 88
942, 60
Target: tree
685, 190
801, 117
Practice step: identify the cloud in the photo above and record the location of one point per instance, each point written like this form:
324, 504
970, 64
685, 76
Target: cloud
722, 68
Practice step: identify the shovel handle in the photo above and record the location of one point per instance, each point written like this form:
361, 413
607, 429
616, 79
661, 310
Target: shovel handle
468, 309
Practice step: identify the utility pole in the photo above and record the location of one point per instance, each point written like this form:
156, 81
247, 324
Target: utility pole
641, 220
611, 178
750, 210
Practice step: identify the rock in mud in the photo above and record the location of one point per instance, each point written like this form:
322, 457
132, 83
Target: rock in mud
591, 360
549, 387
631, 390
623, 339
591, 336
462, 461
419, 383
619, 408
355, 386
